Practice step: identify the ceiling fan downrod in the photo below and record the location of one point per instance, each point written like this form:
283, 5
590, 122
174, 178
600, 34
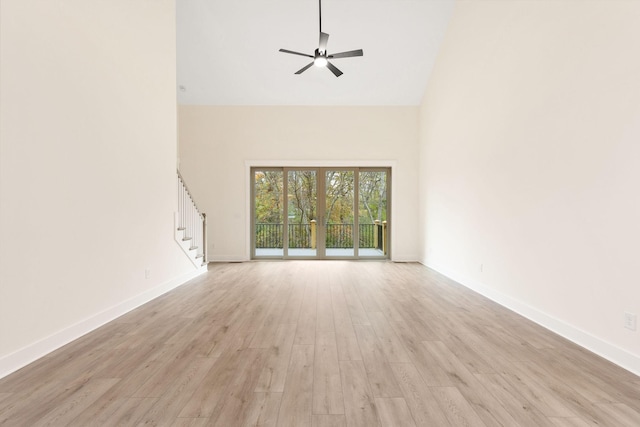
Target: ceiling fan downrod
320, 13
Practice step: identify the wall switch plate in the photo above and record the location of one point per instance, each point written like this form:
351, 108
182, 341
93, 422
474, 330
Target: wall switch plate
630, 321
147, 273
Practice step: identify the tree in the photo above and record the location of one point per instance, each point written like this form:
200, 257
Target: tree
373, 196
302, 196
268, 196
339, 188
302, 203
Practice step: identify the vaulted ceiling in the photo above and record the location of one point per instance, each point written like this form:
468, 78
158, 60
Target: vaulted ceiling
228, 51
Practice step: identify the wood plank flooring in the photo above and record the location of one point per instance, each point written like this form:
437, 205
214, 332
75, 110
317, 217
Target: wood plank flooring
331, 343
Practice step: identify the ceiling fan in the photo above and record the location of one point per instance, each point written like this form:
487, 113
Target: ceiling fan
320, 56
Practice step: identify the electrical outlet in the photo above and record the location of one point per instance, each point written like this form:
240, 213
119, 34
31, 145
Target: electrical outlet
630, 321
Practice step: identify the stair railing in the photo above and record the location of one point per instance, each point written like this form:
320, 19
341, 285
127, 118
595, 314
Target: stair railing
191, 222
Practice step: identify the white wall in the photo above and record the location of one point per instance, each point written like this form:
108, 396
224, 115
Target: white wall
530, 163
215, 143
88, 154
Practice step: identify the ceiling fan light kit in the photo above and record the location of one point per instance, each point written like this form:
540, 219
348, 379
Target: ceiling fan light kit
319, 60
320, 56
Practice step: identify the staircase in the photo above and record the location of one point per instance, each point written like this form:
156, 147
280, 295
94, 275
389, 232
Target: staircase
190, 226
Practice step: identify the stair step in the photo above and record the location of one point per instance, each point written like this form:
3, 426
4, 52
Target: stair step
199, 256
181, 228
193, 248
184, 239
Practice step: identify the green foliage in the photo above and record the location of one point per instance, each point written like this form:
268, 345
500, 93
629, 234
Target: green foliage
268, 196
302, 196
302, 206
339, 197
373, 197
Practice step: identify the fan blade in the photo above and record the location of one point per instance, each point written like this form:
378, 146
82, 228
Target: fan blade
324, 38
333, 69
303, 69
351, 53
295, 53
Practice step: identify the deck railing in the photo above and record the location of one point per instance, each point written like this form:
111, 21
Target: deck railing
271, 235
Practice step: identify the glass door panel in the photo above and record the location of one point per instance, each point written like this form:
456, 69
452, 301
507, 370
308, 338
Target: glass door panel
372, 213
302, 203
268, 208
317, 213
339, 220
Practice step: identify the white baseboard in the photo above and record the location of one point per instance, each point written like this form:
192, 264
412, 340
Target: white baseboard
18, 359
404, 258
228, 258
612, 353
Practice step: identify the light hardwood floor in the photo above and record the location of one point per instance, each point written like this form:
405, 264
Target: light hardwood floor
308, 343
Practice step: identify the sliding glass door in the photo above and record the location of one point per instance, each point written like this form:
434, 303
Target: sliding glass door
302, 208
373, 211
320, 213
268, 213
339, 221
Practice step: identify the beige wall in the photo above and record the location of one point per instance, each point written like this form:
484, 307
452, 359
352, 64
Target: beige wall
530, 163
216, 142
88, 152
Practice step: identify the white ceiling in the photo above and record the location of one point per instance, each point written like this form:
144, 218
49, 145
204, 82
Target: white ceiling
228, 51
